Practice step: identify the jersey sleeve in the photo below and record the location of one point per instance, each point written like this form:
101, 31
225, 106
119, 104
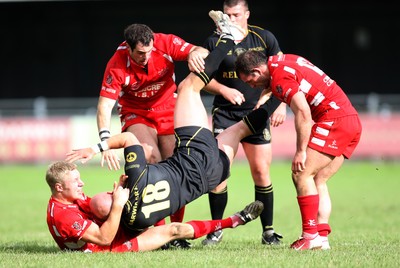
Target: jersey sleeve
272, 44
72, 225
210, 42
284, 85
114, 78
173, 45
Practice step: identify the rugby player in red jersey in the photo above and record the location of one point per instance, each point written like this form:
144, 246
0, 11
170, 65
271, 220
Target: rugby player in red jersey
327, 126
140, 76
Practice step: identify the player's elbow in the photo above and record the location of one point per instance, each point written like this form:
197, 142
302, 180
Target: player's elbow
105, 241
129, 139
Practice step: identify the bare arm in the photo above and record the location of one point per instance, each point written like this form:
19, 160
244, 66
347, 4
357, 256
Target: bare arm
121, 140
104, 235
303, 124
196, 58
230, 94
104, 113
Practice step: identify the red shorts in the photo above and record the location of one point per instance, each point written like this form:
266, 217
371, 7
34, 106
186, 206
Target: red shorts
124, 242
161, 118
338, 136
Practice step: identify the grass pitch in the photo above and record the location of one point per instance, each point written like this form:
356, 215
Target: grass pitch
365, 222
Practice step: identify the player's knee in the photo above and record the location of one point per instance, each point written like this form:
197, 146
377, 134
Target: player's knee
179, 230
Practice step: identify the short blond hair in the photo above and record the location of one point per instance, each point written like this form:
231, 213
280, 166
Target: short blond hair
56, 171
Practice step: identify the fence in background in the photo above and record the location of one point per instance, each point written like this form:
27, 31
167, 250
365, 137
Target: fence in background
42, 107
42, 130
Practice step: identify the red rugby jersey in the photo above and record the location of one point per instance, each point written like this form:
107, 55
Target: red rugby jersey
133, 86
68, 223
291, 74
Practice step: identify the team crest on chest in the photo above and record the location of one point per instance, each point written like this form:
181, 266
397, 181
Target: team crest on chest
77, 226
238, 51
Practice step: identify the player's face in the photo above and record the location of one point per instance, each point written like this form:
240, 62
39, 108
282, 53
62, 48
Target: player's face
238, 15
141, 53
72, 186
255, 79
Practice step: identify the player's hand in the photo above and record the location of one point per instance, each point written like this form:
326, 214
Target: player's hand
122, 180
232, 95
112, 159
279, 116
299, 162
265, 95
120, 195
85, 154
196, 58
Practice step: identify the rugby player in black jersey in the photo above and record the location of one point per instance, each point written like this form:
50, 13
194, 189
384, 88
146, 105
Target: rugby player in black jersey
233, 100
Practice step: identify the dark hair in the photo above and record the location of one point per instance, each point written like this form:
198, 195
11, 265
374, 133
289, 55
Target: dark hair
232, 3
248, 60
136, 33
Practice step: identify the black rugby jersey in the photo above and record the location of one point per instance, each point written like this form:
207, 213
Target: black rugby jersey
159, 190
257, 39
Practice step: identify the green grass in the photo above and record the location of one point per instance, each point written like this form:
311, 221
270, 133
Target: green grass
365, 222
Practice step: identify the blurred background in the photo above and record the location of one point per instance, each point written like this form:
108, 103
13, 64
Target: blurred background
53, 55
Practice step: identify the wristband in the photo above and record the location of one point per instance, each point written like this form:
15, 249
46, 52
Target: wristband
100, 147
104, 134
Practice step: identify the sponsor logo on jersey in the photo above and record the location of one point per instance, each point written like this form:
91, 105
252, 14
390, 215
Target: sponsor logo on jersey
131, 157
148, 91
133, 207
218, 130
109, 90
177, 41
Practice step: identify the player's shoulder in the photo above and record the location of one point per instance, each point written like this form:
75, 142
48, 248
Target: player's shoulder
211, 41
254, 29
165, 37
213, 37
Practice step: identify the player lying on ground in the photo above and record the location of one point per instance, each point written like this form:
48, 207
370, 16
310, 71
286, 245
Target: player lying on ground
74, 226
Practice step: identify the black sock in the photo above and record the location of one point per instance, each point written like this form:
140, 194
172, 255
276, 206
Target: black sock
218, 203
214, 59
266, 196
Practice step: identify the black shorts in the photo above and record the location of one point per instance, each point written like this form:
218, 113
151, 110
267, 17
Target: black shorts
159, 190
222, 119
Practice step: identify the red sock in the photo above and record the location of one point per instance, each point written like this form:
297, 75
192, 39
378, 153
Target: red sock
202, 228
309, 212
178, 215
324, 229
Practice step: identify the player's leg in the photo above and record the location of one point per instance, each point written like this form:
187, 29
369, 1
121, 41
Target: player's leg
308, 199
154, 238
189, 108
259, 157
217, 199
148, 139
325, 205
